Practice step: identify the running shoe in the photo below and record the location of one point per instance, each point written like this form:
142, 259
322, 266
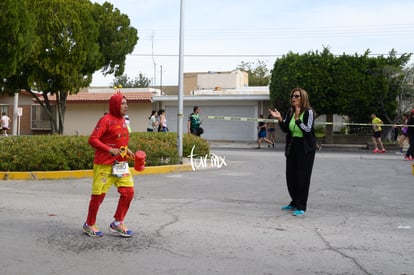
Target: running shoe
120, 229
92, 230
383, 151
288, 208
298, 213
375, 150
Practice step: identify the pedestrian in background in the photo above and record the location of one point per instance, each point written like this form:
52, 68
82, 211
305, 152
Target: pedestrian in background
298, 124
128, 123
261, 133
194, 122
110, 167
271, 134
5, 121
163, 121
376, 136
152, 122
403, 136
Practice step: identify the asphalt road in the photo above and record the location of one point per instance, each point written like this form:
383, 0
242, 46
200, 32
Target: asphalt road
223, 220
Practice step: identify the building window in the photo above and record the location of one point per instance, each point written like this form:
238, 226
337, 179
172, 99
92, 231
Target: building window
4, 108
40, 120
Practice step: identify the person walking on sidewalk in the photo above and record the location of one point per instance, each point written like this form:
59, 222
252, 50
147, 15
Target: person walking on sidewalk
194, 122
404, 136
261, 134
271, 134
110, 167
5, 120
152, 122
298, 124
162, 126
376, 136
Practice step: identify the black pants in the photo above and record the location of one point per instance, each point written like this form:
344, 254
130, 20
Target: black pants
298, 174
410, 151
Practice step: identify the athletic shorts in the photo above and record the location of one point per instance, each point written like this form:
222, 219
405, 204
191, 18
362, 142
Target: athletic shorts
377, 134
103, 179
262, 134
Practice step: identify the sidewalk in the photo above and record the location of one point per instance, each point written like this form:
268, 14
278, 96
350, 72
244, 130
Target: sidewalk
281, 146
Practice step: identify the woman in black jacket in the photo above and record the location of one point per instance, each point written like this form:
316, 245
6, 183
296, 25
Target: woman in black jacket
409, 155
299, 150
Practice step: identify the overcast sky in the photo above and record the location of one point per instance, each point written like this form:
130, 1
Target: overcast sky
220, 34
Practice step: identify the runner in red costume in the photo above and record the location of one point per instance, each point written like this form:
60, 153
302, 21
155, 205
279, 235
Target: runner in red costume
110, 139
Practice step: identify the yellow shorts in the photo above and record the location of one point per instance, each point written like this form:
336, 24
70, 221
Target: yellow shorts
103, 179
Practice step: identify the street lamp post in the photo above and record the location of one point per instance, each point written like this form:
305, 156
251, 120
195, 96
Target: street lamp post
180, 114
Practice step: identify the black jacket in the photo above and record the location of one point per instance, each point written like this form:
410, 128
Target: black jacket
306, 126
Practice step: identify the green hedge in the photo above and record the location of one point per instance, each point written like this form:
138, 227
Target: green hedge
56, 153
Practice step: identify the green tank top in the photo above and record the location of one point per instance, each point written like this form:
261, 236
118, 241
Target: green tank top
294, 129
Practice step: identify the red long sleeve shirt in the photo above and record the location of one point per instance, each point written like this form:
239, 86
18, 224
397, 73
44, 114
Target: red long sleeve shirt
110, 132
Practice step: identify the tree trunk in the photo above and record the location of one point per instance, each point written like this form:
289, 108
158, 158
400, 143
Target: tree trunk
329, 129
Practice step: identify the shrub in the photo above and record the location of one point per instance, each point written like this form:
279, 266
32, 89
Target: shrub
320, 131
55, 153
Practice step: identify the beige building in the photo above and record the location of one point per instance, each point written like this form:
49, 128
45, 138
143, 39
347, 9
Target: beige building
84, 109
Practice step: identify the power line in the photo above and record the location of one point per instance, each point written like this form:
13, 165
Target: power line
282, 33
234, 55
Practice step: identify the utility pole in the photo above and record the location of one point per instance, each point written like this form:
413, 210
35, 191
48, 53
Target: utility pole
153, 61
15, 114
161, 78
180, 114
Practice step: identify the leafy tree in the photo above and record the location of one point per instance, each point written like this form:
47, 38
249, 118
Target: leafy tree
394, 71
406, 92
16, 37
352, 85
259, 74
138, 82
68, 37
116, 38
75, 39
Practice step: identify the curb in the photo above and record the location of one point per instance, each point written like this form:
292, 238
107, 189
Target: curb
49, 175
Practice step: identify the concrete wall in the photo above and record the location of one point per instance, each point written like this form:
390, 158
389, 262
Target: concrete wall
226, 80
82, 118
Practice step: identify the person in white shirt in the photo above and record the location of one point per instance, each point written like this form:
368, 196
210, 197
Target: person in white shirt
5, 121
152, 122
